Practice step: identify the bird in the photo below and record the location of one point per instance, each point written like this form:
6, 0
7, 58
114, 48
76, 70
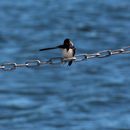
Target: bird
68, 49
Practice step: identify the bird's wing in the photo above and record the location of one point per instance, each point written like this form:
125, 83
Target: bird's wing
74, 51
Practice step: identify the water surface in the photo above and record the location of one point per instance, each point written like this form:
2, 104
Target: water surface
90, 95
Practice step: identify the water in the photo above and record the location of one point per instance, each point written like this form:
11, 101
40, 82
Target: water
90, 95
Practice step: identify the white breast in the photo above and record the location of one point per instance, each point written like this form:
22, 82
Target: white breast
67, 54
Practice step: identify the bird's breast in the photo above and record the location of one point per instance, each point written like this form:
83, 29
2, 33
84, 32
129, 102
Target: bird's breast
67, 53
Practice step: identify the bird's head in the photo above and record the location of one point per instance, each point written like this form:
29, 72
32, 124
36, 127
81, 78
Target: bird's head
68, 43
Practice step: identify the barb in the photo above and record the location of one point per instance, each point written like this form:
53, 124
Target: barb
59, 60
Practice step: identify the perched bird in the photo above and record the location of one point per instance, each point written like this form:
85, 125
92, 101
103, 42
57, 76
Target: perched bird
68, 49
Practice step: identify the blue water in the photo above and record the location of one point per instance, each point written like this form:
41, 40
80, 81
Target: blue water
90, 95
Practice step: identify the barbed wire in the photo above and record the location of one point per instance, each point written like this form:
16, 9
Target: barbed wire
60, 60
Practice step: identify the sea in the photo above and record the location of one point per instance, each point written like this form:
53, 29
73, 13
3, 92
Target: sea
93, 94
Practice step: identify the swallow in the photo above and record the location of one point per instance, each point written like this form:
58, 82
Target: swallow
68, 49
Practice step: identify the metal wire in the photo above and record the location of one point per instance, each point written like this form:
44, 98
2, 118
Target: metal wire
59, 60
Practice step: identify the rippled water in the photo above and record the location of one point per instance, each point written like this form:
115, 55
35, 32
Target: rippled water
90, 95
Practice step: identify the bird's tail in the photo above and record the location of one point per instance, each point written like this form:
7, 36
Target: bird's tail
50, 48
70, 62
